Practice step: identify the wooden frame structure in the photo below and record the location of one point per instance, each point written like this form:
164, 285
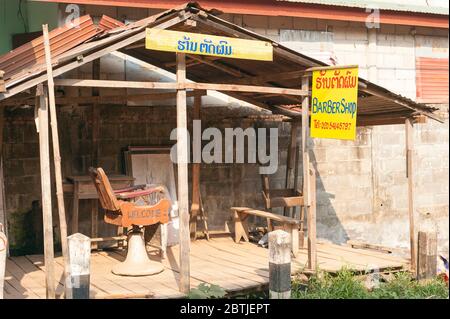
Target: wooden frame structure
276, 92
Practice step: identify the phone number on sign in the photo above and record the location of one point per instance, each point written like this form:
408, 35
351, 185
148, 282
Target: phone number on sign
332, 125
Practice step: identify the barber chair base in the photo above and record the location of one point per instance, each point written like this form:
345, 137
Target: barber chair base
137, 262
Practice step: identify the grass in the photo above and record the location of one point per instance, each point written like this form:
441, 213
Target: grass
344, 285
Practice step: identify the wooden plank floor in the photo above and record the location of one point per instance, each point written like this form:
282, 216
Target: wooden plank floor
219, 261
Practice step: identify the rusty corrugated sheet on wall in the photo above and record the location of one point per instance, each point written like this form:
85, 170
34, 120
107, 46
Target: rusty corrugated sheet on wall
108, 23
15, 62
432, 80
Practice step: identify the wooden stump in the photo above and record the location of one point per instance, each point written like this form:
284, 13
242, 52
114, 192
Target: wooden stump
427, 255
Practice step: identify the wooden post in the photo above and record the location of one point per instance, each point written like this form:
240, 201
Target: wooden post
46, 190
279, 265
409, 174
80, 255
3, 250
94, 154
306, 173
312, 242
57, 160
290, 163
183, 190
305, 136
427, 255
195, 207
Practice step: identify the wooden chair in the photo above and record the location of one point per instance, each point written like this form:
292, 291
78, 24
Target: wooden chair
285, 198
123, 213
240, 215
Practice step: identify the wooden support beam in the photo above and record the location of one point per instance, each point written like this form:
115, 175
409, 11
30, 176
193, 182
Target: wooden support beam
409, 133
183, 188
95, 148
305, 136
290, 163
312, 233
117, 84
105, 99
195, 207
261, 79
46, 192
179, 86
57, 162
245, 88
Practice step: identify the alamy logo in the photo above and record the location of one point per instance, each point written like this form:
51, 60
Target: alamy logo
373, 17
229, 148
73, 19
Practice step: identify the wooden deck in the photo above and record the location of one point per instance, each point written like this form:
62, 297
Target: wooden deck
220, 261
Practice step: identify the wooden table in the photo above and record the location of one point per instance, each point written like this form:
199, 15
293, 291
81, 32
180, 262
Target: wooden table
82, 187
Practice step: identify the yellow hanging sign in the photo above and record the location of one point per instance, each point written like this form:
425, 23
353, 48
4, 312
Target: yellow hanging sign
205, 44
334, 103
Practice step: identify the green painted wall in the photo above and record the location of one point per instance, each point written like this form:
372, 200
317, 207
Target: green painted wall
33, 16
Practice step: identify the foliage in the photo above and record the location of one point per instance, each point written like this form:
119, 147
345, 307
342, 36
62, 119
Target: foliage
205, 291
404, 287
326, 286
344, 285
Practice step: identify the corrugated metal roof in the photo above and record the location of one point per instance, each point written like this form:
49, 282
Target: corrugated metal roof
19, 62
108, 23
382, 5
377, 104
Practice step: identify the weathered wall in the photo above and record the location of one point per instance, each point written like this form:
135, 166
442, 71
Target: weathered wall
223, 185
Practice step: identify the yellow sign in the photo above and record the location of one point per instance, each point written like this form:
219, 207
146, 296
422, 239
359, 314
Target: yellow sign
204, 44
334, 103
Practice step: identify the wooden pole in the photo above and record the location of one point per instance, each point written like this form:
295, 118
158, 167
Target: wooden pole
46, 190
306, 175
94, 154
3, 250
290, 163
305, 136
279, 265
57, 161
312, 234
427, 255
80, 255
195, 207
183, 191
409, 174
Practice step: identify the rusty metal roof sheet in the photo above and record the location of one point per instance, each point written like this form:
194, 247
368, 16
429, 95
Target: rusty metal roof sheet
17, 62
108, 23
373, 100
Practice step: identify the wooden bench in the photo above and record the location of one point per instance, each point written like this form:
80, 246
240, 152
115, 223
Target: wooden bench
240, 215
